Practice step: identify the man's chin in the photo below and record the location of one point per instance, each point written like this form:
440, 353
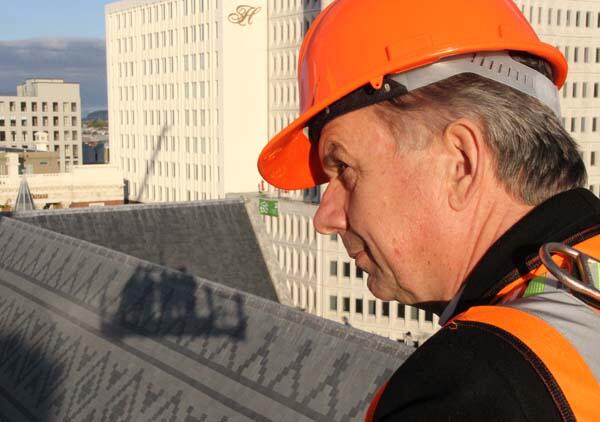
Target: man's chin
376, 288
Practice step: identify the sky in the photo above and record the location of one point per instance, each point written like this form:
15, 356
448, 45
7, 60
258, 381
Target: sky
57, 39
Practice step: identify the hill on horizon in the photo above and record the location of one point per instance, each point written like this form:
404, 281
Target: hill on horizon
97, 115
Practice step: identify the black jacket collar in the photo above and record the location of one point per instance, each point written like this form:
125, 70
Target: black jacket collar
569, 217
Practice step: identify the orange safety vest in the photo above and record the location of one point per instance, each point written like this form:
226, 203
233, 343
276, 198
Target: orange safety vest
555, 326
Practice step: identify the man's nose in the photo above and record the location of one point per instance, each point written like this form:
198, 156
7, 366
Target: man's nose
331, 214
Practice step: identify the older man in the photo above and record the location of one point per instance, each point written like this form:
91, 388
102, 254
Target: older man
437, 126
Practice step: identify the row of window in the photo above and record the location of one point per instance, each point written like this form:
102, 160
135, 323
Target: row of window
199, 33
583, 89
191, 7
278, 120
291, 227
151, 92
333, 270
580, 125
294, 5
302, 297
562, 17
409, 313
290, 31
159, 168
162, 12
36, 121
283, 63
27, 136
283, 93
203, 145
165, 65
303, 263
162, 193
574, 54
35, 106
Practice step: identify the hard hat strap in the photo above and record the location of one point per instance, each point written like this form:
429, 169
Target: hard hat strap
362, 97
497, 66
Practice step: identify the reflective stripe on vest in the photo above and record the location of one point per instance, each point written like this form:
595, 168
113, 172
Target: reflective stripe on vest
571, 372
563, 331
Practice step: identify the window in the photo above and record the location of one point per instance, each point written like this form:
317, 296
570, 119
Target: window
385, 309
401, 309
359, 273
346, 304
429, 316
332, 237
414, 313
593, 158
372, 307
346, 269
333, 268
358, 306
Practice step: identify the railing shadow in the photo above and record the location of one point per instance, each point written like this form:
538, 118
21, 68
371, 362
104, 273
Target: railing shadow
169, 303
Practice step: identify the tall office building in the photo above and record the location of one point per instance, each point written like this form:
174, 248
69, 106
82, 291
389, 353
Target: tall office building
44, 112
187, 95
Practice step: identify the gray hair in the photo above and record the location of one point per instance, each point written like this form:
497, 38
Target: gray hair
535, 156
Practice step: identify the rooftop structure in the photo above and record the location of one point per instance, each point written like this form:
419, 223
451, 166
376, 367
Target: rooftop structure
46, 110
88, 332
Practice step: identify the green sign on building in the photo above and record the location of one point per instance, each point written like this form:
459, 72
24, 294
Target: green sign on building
267, 207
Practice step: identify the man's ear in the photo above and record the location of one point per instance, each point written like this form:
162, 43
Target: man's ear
464, 141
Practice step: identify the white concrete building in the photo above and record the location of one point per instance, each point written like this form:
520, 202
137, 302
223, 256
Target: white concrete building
574, 27
81, 186
46, 110
187, 95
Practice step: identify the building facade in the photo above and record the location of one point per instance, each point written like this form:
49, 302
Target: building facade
82, 186
573, 26
47, 110
177, 130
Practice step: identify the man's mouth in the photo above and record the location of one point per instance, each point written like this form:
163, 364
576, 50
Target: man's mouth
361, 259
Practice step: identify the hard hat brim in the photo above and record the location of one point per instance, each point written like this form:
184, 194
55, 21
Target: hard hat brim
290, 161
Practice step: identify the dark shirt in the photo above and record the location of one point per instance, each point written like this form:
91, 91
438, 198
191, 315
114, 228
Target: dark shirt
472, 372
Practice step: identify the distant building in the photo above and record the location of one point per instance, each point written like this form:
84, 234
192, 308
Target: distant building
195, 89
82, 186
44, 109
95, 153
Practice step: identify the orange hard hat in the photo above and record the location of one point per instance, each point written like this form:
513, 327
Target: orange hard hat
358, 43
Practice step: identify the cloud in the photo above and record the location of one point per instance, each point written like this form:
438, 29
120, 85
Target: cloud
81, 60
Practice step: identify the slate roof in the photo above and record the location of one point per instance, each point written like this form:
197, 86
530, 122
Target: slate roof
210, 239
92, 334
